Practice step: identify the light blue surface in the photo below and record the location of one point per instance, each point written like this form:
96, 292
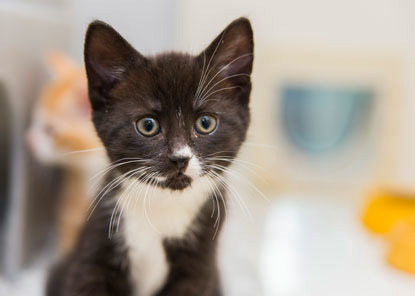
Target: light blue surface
319, 119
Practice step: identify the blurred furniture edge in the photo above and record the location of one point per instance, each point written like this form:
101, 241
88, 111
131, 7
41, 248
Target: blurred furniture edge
27, 32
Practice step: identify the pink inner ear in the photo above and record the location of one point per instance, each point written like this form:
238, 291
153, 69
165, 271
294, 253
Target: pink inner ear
238, 64
106, 74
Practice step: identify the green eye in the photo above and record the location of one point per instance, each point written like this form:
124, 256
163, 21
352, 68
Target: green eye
148, 126
205, 124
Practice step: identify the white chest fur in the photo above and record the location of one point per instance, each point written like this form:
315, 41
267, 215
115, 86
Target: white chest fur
147, 222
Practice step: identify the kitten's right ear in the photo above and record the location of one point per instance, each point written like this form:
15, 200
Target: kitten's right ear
231, 55
108, 57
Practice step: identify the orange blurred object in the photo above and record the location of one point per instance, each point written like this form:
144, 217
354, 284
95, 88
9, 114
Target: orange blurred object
385, 209
401, 253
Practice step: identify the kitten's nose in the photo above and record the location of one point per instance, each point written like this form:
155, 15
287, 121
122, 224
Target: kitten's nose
179, 161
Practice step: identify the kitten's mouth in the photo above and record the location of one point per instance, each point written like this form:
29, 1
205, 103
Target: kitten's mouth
178, 181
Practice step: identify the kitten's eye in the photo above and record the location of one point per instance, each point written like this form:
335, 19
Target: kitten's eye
148, 126
205, 124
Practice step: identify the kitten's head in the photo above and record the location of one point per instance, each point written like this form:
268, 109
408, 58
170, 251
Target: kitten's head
61, 120
177, 116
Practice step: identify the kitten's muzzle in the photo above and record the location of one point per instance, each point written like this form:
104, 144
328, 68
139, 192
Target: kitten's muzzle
178, 181
181, 162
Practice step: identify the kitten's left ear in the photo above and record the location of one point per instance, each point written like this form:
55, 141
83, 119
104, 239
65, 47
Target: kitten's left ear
108, 57
231, 55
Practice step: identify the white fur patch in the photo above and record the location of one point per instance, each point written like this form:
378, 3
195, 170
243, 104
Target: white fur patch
154, 215
194, 169
184, 151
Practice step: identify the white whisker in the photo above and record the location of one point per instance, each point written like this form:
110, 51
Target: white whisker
201, 76
224, 68
108, 188
98, 176
137, 182
219, 152
116, 164
215, 191
121, 198
237, 175
82, 151
213, 200
235, 194
204, 95
262, 145
239, 162
207, 71
205, 99
145, 206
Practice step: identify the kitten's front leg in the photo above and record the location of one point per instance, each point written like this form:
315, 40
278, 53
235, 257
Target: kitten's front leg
193, 268
71, 279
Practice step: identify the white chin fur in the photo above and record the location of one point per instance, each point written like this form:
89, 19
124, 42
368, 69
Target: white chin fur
194, 168
152, 215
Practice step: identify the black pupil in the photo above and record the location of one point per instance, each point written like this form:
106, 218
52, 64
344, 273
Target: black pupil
148, 125
205, 122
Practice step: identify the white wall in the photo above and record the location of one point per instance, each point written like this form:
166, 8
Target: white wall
353, 23
149, 25
370, 25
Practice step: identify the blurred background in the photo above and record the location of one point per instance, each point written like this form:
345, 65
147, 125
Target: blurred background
331, 148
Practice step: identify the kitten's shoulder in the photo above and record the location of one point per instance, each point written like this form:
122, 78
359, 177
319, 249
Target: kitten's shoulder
96, 266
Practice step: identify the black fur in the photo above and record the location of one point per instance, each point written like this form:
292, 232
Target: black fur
124, 86
98, 266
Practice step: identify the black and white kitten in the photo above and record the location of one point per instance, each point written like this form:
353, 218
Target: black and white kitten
170, 123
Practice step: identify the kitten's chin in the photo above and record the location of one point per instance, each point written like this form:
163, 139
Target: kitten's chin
178, 182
